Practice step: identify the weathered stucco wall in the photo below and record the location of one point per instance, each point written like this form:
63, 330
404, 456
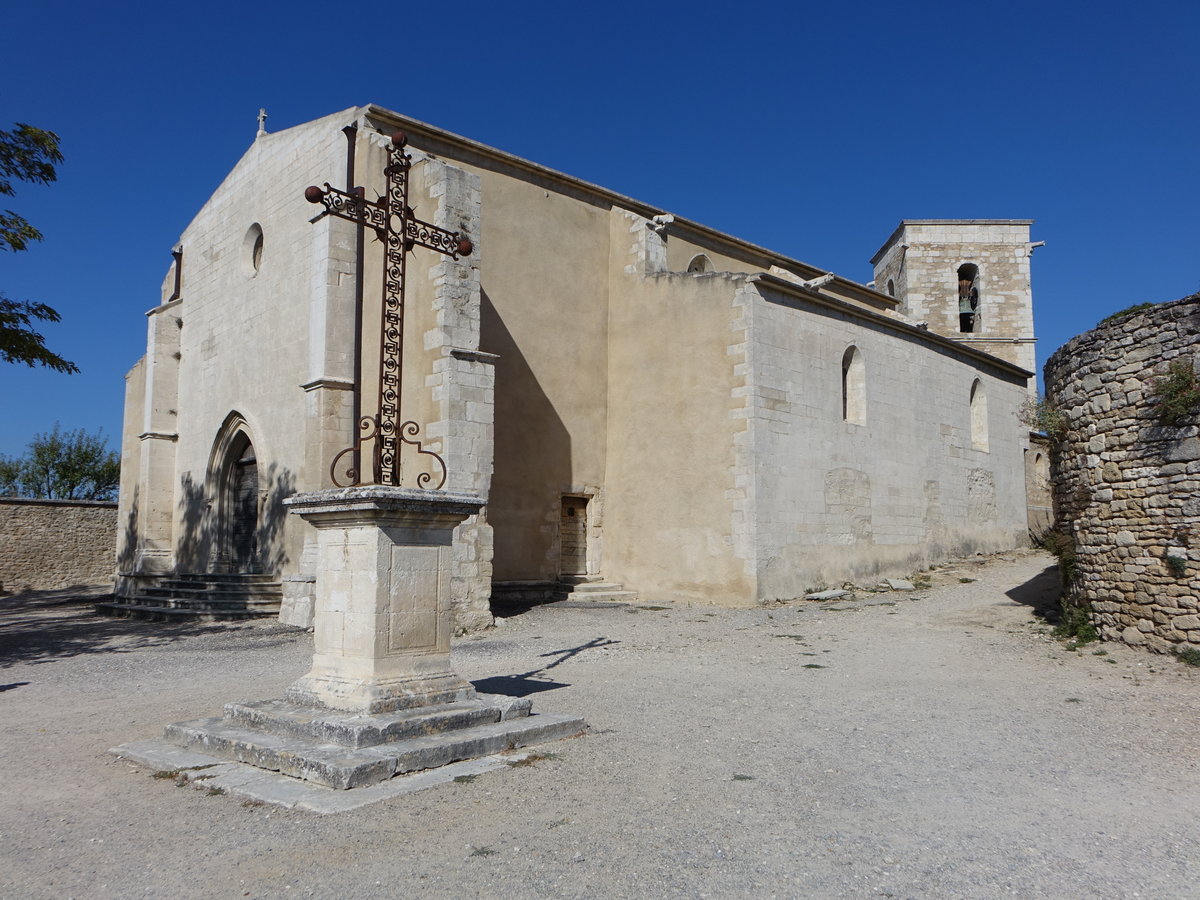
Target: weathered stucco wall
48, 544
905, 480
1126, 486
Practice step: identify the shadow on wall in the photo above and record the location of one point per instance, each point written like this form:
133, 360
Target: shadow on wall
128, 538
532, 458
204, 538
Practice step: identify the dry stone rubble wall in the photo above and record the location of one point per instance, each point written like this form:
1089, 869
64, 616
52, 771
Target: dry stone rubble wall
1125, 485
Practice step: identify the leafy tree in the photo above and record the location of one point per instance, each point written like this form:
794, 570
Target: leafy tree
26, 154
63, 465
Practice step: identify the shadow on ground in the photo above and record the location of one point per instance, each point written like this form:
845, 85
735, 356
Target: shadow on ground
43, 626
1042, 593
535, 680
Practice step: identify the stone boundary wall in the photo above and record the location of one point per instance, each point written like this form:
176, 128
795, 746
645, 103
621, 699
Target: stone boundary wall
49, 544
1125, 486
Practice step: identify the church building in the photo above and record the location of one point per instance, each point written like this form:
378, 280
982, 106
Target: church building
649, 406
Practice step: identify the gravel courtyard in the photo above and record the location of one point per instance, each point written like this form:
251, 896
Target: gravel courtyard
936, 743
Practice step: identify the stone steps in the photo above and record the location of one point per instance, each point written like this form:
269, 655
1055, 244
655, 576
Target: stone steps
203, 597
339, 766
593, 589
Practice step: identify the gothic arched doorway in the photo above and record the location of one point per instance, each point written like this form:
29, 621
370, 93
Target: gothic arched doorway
242, 506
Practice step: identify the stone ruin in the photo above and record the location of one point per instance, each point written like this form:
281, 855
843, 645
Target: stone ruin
1126, 484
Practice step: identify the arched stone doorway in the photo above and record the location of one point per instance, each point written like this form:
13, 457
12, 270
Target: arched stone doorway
235, 492
242, 550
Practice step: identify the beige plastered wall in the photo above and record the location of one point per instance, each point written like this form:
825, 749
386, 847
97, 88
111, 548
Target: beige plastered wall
674, 511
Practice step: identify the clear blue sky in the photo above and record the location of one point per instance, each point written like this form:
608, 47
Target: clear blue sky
809, 128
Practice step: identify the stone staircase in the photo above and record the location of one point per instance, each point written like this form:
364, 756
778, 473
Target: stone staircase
209, 597
343, 750
592, 587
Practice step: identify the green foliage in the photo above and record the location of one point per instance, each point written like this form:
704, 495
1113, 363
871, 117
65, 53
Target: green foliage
70, 465
1076, 624
1040, 415
1177, 565
1177, 394
1189, 655
1127, 311
26, 154
1062, 545
19, 343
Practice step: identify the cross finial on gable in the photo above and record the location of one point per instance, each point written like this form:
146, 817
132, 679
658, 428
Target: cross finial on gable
262, 121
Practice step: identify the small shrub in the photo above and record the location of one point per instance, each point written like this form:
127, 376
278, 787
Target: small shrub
1040, 415
1177, 393
1062, 545
1188, 655
1177, 565
1076, 624
1127, 311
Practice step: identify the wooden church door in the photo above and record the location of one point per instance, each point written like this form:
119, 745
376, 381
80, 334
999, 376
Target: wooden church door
243, 525
573, 536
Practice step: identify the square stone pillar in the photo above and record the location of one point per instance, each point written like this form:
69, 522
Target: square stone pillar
383, 615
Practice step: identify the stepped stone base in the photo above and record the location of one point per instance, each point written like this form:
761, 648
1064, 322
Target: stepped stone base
343, 750
205, 597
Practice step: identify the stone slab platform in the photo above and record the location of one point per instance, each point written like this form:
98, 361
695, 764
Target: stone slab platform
342, 767
253, 784
356, 730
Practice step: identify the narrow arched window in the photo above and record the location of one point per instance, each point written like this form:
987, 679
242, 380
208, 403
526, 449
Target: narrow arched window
979, 417
699, 265
968, 297
854, 387
891, 288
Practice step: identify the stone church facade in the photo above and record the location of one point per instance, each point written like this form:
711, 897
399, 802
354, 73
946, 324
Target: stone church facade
644, 402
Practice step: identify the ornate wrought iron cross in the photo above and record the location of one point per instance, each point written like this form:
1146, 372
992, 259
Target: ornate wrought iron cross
395, 225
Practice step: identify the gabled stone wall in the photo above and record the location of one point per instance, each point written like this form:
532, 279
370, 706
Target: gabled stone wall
1126, 486
49, 544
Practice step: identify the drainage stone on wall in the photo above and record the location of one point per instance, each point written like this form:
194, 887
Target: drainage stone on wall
1126, 485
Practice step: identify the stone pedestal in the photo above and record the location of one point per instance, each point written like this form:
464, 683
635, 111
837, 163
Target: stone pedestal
381, 699
383, 616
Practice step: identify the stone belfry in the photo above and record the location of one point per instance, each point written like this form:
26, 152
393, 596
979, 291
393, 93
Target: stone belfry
967, 279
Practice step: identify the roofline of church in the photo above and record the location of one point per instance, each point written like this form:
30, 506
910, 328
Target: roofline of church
899, 228
783, 286
760, 256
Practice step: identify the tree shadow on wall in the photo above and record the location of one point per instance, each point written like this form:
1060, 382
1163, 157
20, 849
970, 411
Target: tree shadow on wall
202, 544
128, 537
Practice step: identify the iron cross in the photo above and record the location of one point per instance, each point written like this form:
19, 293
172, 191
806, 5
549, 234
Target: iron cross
395, 225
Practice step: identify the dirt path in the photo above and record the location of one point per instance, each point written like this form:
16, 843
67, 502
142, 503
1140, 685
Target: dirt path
934, 744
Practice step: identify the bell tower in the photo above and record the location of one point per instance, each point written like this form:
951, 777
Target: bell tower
967, 279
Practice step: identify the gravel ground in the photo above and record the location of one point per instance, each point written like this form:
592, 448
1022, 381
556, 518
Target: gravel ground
927, 744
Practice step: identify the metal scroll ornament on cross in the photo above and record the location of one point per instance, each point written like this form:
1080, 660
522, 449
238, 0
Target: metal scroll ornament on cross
395, 225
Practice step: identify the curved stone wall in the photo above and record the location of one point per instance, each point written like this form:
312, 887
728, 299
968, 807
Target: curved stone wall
1126, 486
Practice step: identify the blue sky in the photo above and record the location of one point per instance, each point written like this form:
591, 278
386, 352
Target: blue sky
809, 128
